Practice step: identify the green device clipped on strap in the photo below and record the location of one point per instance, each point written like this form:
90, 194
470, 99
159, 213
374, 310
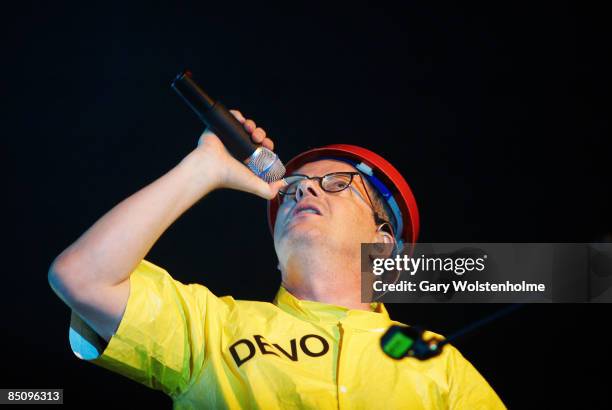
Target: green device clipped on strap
400, 341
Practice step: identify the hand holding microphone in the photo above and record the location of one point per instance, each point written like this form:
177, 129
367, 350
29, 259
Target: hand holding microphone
230, 133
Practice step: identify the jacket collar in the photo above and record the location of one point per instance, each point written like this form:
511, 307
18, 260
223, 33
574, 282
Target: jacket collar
319, 312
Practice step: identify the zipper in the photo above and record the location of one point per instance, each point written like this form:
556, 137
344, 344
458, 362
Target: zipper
340, 340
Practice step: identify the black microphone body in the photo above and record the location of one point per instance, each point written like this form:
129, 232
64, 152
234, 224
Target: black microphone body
263, 162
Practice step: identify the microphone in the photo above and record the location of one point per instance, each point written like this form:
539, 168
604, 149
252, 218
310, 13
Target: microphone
263, 162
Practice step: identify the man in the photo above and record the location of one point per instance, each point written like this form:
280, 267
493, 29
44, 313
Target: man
316, 346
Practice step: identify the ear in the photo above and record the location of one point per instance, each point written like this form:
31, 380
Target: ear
385, 238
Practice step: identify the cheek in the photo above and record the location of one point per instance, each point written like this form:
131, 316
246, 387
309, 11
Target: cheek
355, 221
281, 217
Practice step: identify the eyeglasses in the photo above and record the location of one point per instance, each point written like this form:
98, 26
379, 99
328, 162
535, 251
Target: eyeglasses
333, 182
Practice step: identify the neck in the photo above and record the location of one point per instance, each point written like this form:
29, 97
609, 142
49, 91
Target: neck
326, 278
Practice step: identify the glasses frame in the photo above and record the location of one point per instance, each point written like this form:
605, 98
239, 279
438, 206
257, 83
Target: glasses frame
377, 218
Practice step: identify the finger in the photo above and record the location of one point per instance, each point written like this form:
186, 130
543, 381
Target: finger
268, 143
250, 126
261, 188
207, 131
206, 134
249, 182
238, 116
258, 135
276, 185
267, 190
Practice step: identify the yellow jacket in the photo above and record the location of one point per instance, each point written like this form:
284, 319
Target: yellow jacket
216, 352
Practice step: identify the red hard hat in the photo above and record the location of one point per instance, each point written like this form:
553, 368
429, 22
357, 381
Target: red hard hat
383, 176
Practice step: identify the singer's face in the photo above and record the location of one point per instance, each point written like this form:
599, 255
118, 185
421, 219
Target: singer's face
314, 219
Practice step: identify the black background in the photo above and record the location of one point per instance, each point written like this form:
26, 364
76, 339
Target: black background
497, 114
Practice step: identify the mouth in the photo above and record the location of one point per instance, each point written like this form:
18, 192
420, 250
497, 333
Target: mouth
305, 210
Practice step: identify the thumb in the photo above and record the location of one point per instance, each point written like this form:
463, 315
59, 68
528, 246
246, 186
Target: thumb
255, 185
276, 186
267, 190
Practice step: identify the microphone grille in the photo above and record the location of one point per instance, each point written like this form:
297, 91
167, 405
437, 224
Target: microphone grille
266, 165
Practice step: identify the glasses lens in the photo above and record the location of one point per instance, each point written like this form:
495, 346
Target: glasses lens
336, 182
292, 183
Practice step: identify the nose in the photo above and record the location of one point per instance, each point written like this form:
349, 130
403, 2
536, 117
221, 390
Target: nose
306, 187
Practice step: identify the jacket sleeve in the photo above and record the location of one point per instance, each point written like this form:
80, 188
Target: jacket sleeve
467, 388
161, 340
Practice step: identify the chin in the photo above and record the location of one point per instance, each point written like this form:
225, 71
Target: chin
301, 235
